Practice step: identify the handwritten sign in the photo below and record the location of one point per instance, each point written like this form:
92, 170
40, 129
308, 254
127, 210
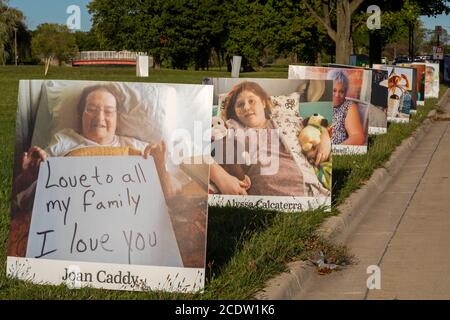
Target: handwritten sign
102, 209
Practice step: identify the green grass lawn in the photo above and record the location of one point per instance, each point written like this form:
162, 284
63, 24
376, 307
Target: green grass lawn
245, 247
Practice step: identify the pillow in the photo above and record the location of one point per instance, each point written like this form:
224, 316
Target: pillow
145, 112
286, 105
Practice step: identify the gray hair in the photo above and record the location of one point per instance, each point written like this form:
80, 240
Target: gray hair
339, 76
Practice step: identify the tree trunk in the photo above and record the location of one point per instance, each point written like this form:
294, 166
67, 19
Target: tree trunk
342, 36
343, 32
157, 61
228, 60
47, 65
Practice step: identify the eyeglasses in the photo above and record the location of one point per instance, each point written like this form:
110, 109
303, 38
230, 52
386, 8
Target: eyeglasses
94, 111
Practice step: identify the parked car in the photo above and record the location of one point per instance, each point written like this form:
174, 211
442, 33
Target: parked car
402, 59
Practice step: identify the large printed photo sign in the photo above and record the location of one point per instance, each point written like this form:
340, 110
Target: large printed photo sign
432, 80
271, 144
402, 92
378, 99
446, 70
351, 100
378, 102
420, 81
97, 198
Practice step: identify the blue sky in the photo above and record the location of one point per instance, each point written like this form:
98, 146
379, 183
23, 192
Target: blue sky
54, 11
442, 20
40, 11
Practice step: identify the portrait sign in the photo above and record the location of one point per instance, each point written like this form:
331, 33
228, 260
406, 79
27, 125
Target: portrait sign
402, 92
99, 197
351, 101
446, 69
432, 80
271, 144
420, 81
378, 99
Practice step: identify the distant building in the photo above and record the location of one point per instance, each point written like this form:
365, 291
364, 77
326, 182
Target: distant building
119, 58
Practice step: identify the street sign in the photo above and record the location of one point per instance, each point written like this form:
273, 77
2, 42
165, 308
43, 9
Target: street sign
438, 52
438, 30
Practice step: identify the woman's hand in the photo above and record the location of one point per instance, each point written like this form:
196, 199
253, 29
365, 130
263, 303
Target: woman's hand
227, 183
323, 148
158, 152
232, 186
31, 161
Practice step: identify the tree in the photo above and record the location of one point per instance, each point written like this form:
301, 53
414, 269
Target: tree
86, 41
208, 32
131, 25
398, 22
53, 41
341, 35
186, 33
337, 17
250, 31
296, 34
115, 22
10, 19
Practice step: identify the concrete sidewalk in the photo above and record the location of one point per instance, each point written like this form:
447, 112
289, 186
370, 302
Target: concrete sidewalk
406, 233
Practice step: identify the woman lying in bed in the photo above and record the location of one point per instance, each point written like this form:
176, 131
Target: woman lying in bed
97, 111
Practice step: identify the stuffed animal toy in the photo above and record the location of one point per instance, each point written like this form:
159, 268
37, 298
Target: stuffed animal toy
309, 136
218, 129
309, 139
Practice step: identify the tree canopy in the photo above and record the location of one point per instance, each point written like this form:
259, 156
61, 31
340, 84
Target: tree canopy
53, 41
195, 33
342, 18
10, 19
183, 33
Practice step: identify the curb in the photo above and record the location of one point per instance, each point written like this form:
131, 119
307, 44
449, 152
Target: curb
337, 228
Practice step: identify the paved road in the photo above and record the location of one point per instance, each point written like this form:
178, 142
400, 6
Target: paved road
406, 233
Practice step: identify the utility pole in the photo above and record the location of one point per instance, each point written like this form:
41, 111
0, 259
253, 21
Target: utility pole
15, 45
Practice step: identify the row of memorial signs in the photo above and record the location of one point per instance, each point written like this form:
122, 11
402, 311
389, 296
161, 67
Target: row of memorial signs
112, 180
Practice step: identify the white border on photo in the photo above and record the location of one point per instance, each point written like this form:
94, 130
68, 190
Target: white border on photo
398, 120
155, 278
377, 130
344, 149
280, 203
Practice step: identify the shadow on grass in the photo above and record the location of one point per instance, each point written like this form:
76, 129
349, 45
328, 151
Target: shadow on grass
340, 176
228, 228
